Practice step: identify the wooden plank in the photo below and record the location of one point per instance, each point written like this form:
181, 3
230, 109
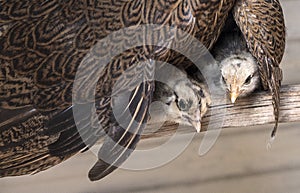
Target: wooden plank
254, 110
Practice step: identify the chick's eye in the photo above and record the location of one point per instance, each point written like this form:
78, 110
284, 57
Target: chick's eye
182, 105
223, 79
248, 80
201, 93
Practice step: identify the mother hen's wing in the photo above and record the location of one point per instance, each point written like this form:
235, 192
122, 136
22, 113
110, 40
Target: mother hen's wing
262, 23
42, 45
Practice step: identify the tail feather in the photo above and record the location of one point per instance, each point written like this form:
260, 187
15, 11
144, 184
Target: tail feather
26, 142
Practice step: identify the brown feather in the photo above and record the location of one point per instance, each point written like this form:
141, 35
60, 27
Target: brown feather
42, 44
262, 23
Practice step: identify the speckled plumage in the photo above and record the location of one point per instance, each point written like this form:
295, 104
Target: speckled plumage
263, 26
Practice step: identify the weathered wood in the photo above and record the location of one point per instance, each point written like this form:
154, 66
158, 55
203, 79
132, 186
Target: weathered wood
254, 110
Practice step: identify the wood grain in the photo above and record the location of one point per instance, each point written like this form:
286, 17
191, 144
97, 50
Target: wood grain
254, 110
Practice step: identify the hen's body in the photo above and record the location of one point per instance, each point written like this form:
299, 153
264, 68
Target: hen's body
42, 44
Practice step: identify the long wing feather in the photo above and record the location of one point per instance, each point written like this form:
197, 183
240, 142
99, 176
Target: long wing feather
121, 141
262, 23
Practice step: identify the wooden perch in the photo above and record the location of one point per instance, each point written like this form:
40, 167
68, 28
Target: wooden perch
254, 110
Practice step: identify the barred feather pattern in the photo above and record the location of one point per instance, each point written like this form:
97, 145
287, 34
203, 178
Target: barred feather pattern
42, 44
262, 23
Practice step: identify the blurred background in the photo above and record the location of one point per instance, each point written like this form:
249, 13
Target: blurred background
238, 162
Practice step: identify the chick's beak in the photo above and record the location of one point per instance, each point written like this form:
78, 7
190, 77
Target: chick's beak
234, 93
196, 120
